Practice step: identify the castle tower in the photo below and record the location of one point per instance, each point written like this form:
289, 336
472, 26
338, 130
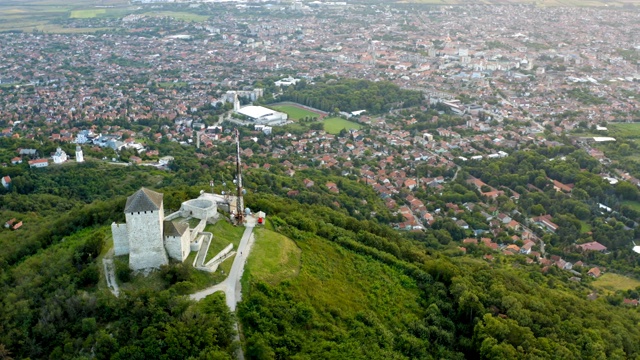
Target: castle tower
145, 215
79, 155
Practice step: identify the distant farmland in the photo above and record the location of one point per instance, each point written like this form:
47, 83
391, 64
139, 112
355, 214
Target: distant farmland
86, 14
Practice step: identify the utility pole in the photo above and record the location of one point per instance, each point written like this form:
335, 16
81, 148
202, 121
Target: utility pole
239, 200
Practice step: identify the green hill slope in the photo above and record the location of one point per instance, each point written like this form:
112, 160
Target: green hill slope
362, 292
331, 303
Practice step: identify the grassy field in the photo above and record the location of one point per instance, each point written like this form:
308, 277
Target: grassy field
334, 125
613, 282
274, 257
223, 234
333, 280
625, 130
185, 16
87, 13
632, 204
295, 113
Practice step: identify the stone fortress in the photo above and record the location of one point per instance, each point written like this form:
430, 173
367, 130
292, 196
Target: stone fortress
151, 239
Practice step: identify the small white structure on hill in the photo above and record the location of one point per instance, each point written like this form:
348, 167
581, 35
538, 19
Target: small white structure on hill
59, 156
79, 155
150, 238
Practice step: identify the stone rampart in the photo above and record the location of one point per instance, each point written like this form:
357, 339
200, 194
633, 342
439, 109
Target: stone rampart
120, 239
199, 208
222, 254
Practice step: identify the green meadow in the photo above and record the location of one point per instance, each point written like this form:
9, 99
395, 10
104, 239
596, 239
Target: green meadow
335, 124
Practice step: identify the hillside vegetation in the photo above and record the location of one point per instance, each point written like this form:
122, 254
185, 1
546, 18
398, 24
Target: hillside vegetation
362, 288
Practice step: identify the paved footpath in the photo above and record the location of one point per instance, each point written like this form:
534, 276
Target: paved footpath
110, 275
231, 285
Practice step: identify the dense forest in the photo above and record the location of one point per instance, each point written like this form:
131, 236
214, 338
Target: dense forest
330, 94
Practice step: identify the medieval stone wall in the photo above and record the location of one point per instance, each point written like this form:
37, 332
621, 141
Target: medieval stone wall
198, 229
178, 246
146, 244
120, 239
199, 208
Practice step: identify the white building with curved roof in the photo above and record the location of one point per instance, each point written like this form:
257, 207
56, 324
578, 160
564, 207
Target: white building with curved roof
261, 114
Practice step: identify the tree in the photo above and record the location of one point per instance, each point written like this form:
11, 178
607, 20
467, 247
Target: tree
537, 210
5, 354
626, 190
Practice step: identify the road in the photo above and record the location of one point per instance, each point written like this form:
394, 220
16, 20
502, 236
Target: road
456, 174
109, 273
231, 285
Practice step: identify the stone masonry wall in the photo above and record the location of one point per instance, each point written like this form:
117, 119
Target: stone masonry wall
120, 239
198, 229
178, 247
146, 243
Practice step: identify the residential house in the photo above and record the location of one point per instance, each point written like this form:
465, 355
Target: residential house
38, 163
462, 224
545, 222
594, 272
13, 224
526, 248
558, 186
592, 246
6, 181
135, 160
308, 183
332, 187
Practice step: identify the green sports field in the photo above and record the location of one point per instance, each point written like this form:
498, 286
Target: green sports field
626, 130
295, 113
335, 124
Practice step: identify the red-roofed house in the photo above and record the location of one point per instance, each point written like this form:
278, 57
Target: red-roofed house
592, 246
38, 163
595, 272
410, 183
558, 186
331, 186
545, 221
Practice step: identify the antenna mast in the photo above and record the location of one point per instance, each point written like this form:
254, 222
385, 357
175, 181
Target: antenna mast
239, 200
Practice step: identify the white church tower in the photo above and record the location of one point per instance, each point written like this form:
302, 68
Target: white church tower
145, 216
79, 155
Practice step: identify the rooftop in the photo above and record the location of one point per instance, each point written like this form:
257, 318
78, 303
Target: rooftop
143, 200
